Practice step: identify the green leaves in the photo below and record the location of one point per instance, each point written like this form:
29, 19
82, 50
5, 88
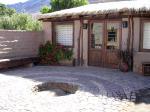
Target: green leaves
57, 5
11, 20
19, 22
66, 4
45, 9
5, 11
52, 54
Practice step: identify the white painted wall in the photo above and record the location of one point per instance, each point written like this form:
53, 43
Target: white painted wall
47, 28
124, 35
85, 45
76, 37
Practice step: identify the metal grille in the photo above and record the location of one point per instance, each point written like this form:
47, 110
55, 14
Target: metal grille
64, 34
146, 40
146, 69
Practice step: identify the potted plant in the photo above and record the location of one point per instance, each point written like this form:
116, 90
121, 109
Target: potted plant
67, 59
125, 60
48, 54
55, 54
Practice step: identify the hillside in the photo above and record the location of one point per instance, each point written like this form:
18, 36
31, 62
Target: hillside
33, 6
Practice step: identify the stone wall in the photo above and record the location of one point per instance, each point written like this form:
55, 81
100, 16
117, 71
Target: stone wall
18, 44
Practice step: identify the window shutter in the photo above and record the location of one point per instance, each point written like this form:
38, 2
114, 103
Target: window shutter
146, 37
64, 34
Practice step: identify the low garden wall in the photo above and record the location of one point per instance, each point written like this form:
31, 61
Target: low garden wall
17, 44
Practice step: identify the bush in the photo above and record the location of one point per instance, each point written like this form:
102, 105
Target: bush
52, 54
19, 22
45, 9
66, 4
5, 11
56, 5
6, 23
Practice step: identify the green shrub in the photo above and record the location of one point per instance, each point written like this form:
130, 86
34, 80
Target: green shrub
5, 11
52, 54
6, 23
20, 22
57, 5
45, 9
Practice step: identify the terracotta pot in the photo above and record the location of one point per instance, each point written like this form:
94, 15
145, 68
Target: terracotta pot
124, 67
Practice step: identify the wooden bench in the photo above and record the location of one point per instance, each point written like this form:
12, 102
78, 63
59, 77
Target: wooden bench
15, 62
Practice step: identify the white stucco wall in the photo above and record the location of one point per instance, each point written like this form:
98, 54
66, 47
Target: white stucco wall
76, 37
136, 34
47, 28
85, 45
124, 35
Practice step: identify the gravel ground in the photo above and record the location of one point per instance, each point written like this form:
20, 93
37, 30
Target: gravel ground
100, 90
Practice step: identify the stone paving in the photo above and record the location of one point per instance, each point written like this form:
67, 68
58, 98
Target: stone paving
100, 90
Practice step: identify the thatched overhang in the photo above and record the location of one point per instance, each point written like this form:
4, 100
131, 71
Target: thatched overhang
122, 8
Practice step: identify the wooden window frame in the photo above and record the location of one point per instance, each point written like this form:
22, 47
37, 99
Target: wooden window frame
120, 33
90, 32
54, 31
143, 20
105, 21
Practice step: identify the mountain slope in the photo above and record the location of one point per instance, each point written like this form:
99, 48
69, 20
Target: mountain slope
34, 6
31, 6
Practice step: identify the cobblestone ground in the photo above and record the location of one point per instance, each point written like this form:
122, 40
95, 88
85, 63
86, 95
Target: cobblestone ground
101, 90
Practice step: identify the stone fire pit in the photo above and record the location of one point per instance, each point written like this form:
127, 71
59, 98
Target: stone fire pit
56, 88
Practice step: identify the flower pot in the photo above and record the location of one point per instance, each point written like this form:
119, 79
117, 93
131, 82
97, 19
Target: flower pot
66, 62
124, 67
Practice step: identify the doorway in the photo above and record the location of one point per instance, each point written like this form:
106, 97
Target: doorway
104, 43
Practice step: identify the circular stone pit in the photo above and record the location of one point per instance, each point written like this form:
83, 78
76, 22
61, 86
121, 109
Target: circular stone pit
56, 88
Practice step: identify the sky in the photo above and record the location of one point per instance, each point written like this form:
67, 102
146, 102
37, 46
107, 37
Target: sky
11, 1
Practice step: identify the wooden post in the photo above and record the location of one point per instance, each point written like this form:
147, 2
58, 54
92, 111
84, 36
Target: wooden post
129, 34
81, 41
132, 44
130, 39
78, 61
80, 44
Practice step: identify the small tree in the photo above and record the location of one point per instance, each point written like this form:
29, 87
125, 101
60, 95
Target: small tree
45, 9
5, 11
66, 4
19, 22
57, 5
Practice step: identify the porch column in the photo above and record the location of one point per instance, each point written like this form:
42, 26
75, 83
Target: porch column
85, 45
76, 40
124, 36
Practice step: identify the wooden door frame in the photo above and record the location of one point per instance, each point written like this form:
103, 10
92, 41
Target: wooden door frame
104, 43
89, 35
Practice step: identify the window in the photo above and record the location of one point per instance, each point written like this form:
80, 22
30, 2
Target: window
64, 34
146, 36
113, 36
96, 35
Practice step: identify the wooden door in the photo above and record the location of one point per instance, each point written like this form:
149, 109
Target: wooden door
112, 43
95, 44
104, 43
